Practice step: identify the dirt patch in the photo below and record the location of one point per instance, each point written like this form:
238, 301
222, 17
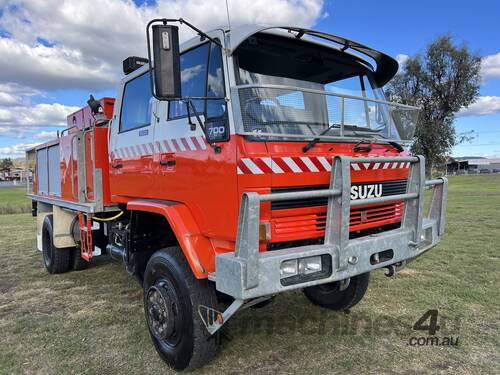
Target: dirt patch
409, 271
7, 285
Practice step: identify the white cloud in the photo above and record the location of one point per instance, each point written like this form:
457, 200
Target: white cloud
402, 59
490, 67
45, 135
490, 155
74, 44
16, 150
5, 131
484, 105
35, 115
13, 132
7, 99
15, 94
89, 41
51, 68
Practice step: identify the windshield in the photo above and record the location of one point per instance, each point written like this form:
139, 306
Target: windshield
291, 87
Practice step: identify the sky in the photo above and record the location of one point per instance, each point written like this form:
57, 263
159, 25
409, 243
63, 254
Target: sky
54, 53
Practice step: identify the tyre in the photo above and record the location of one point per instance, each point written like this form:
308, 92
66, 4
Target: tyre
171, 298
76, 262
55, 260
332, 297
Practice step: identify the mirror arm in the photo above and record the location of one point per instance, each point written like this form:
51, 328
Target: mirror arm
165, 21
189, 104
199, 32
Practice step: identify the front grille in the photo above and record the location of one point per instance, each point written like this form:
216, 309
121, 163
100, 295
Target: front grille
380, 214
300, 226
388, 188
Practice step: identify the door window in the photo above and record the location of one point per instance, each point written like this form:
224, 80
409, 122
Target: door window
193, 81
201, 76
136, 104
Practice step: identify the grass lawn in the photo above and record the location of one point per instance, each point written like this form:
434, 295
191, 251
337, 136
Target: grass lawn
13, 200
92, 321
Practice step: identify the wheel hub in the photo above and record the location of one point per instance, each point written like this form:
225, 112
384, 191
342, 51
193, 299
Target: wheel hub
160, 311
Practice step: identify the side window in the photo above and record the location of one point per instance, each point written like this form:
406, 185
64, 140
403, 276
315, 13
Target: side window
215, 84
193, 80
136, 104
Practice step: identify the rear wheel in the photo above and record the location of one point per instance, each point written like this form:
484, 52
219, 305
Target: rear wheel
337, 295
171, 298
55, 260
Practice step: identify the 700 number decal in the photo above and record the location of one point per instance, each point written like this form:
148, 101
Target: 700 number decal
216, 131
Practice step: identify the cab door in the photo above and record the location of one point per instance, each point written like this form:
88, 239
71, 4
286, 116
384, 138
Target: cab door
190, 170
131, 146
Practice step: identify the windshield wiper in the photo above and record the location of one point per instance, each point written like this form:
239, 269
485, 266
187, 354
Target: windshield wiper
359, 148
190, 107
394, 144
397, 146
317, 138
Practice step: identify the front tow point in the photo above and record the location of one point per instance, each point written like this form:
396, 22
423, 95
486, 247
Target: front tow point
392, 269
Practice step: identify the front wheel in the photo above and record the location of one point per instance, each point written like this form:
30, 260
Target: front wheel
172, 296
337, 295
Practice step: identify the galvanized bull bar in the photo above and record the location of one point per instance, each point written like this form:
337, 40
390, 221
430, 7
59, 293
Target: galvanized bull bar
338, 213
249, 273
251, 276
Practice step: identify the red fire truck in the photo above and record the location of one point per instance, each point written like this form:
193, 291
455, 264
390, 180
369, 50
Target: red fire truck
245, 163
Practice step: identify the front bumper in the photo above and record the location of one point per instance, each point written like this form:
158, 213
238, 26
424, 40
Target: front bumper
248, 273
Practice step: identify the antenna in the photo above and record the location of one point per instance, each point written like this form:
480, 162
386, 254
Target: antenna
228, 18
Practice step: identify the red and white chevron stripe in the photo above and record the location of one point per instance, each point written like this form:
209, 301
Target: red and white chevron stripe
284, 164
374, 166
303, 164
164, 145
181, 144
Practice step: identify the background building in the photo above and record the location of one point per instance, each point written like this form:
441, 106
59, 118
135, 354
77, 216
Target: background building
472, 165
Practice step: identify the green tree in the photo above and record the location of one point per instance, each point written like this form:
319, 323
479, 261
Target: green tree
6, 163
441, 81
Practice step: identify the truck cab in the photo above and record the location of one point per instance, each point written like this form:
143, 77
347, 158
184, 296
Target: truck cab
271, 162
267, 99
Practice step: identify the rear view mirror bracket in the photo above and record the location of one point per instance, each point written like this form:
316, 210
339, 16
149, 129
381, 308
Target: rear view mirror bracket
165, 80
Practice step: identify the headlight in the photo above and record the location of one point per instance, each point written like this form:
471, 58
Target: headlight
426, 237
309, 265
289, 268
294, 271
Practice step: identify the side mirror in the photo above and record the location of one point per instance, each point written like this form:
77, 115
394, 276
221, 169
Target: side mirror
166, 68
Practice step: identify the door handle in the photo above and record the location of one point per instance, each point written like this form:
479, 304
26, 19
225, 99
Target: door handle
168, 163
117, 166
